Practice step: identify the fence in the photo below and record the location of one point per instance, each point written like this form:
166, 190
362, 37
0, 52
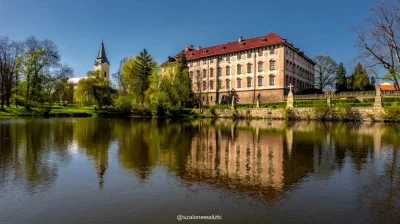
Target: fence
346, 94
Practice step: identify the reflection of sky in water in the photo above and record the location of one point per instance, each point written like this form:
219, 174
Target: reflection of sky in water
127, 170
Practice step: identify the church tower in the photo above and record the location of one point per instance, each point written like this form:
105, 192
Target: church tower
102, 63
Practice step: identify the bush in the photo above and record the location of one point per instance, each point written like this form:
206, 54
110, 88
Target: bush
123, 104
390, 99
391, 114
369, 100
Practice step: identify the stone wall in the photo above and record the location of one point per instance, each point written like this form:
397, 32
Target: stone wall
361, 114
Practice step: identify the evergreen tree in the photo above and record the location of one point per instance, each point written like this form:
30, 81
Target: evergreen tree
135, 75
341, 84
373, 82
360, 79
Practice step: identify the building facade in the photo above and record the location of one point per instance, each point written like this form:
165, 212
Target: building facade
247, 69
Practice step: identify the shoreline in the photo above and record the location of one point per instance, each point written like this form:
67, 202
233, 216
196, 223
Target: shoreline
352, 114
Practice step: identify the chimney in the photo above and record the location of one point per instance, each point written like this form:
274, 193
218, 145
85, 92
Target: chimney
199, 47
240, 39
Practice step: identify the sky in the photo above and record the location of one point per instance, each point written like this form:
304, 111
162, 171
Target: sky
165, 27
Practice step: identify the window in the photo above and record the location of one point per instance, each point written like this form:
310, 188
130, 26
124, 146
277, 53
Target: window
211, 61
211, 72
219, 72
272, 51
204, 61
260, 66
272, 65
219, 59
191, 75
239, 69
219, 84
239, 56
260, 81
211, 84
204, 73
191, 64
105, 74
228, 84
228, 58
249, 55
248, 82
271, 80
249, 68
197, 74
198, 62
204, 85
211, 98
260, 53
228, 70
239, 83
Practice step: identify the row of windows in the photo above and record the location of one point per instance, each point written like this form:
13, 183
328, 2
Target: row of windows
238, 69
260, 82
228, 58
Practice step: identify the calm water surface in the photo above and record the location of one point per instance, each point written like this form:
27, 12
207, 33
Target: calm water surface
103, 170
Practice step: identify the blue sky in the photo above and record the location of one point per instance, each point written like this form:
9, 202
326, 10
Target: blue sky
318, 27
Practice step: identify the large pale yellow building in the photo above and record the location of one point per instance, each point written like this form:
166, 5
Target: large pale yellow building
247, 69
102, 64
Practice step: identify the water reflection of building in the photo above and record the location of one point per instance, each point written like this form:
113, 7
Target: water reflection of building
245, 160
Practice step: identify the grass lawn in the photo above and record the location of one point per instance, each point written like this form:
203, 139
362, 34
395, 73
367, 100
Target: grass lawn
58, 111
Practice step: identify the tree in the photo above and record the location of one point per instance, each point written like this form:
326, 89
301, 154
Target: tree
135, 75
341, 82
378, 42
10, 62
373, 82
122, 89
360, 79
182, 82
158, 95
325, 70
41, 66
94, 87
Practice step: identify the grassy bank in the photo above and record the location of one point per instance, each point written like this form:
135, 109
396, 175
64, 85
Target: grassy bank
56, 111
76, 111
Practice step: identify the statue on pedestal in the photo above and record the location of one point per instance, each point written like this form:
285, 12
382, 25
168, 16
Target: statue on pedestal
378, 97
290, 99
233, 102
258, 101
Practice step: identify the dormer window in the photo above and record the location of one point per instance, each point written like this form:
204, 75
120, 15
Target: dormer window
223, 48
205, 51
242, 43
263, 40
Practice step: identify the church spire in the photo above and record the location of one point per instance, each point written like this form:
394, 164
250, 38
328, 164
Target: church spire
101, 57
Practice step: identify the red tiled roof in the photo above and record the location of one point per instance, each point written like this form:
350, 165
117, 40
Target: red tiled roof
388, 87
230, 47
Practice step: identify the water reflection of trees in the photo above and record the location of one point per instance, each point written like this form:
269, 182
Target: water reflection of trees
261, 158
29, 150
142, 143
94, 136
244, 156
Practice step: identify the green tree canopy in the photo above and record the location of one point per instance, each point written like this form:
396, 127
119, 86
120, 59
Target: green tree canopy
360, 79
341, 83
135, 75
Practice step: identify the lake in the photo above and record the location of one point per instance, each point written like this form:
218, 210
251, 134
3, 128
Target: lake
108, 170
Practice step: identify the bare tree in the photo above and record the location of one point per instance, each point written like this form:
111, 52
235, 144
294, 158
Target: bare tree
122, 88
325, 72
378, 42
10, 61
